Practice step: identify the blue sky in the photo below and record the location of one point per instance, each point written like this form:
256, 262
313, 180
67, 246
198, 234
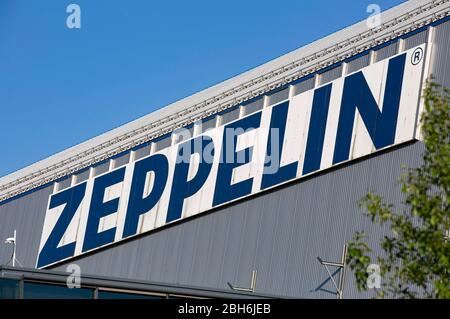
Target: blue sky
60, 86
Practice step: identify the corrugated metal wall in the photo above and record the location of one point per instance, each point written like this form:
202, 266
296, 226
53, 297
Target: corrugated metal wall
279, 234
26, 215
440, 65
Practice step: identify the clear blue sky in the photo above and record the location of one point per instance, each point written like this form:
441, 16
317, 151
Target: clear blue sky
60, 86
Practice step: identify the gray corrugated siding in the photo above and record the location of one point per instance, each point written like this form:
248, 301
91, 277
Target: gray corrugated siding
279, 96
330, 75
254, 106
386, 52
141, 152
304, 86
358, 63
279, 234
415, 40
440, 65
26, 215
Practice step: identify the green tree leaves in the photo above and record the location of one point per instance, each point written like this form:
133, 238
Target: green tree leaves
416, 259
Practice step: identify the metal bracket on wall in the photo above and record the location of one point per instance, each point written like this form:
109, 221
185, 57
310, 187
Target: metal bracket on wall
252, 284
340, 285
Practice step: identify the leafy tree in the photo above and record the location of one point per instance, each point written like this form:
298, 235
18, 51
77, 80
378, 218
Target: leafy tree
416, 258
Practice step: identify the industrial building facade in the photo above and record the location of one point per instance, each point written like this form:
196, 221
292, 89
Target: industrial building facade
340, 114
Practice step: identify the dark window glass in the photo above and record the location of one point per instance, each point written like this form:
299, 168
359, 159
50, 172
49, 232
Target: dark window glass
46, 291
416, 39
9, 289
122, 295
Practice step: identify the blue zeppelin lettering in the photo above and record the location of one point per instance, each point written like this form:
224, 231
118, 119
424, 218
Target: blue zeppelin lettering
344, 119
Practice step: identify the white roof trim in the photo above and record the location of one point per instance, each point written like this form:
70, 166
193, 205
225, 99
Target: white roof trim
336, 47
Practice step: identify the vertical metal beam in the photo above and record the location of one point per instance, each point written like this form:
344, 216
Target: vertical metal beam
95, 293
401, 46
372, 57
265, 101
73, 180
343, 270
316, 80
197, 128
91, 172
111, 164
218, 121
344, 69
291, 91
241, 111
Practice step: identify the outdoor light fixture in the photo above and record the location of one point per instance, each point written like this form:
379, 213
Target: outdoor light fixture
12, 240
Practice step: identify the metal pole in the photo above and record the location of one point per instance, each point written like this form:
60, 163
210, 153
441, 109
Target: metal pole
14, 250
253, 283
342, 272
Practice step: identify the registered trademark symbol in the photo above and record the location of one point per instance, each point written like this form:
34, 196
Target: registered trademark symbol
417, 56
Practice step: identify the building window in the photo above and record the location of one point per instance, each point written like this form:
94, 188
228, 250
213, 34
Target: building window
9, 289
46, 291
122, 295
